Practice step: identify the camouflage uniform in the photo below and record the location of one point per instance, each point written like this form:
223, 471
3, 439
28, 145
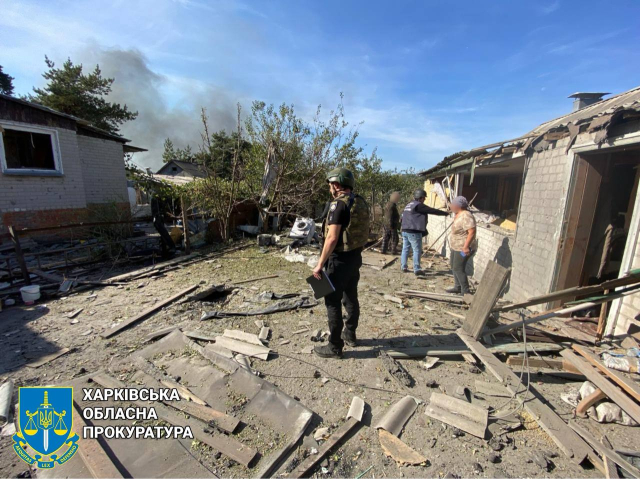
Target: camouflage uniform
343, 266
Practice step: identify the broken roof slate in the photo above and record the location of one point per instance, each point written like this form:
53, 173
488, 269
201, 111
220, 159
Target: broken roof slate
626, 100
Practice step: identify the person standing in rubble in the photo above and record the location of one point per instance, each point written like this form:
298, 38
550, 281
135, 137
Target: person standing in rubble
391, 224
346, 231
462, 241
414, 227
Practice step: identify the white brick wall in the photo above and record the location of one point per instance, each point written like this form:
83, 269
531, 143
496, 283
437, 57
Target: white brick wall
103, 170
494, 244
26, 193
540, 217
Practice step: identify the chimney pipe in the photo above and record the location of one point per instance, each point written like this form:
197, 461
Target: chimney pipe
583, 99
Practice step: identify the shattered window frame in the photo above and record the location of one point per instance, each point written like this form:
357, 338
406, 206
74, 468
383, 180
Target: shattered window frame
55, 149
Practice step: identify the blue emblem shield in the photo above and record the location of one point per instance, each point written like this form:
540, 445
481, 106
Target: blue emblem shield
46, 417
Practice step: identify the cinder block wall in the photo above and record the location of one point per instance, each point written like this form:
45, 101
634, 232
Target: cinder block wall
494, 244
540, 217
103, 170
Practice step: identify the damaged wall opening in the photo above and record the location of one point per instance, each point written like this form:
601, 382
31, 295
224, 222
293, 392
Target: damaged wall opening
600, 208
22, 149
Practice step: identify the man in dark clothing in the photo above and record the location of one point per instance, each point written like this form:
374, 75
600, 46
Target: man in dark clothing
414, 227
391, 224
346, 231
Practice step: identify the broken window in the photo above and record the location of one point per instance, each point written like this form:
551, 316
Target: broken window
23, 150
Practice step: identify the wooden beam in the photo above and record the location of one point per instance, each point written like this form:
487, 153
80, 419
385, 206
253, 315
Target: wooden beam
632, 278
559, 364
602, 383
91, 451
333, 440
509, 348
19, 256
147, 312
554, 313
604, 451
611, 471
566, 439
491, 284
628, 385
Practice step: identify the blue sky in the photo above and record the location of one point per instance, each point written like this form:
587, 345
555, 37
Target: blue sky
427, 78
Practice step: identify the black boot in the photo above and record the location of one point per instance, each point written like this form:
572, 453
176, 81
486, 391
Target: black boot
327, 351
349, 338
453, 290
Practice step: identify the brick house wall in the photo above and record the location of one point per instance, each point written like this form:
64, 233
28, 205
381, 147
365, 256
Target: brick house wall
531, 251
93, 174
102, 165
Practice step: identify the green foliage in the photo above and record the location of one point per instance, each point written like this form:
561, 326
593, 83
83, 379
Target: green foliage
71, 91
6, 83
171, 153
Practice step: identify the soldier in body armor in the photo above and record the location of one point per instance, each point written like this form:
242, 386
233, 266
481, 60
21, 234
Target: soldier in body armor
346, 231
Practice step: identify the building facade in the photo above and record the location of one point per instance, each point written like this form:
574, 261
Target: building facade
559, 205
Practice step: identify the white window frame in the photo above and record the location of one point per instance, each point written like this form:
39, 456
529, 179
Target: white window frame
55, 147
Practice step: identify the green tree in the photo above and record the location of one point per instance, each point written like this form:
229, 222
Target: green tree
71, 91
171, 153
6, 83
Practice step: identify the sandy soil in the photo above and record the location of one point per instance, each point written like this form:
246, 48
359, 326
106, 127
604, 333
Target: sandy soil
28, 332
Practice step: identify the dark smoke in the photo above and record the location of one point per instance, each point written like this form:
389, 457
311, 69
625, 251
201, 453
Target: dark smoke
140, 89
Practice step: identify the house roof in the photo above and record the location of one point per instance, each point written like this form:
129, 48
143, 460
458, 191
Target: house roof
192, 169
82, 123
595, 117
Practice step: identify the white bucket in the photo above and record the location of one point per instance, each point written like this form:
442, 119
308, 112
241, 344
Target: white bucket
30, 294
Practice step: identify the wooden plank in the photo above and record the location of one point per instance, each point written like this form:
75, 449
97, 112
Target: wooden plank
48, 358
602, 383
627, 384
490, 287
566, 439
19, 256
256, 279
313, 460
92, 453
604, 451
559, 364
147, 312
228, 446
509, 348
447, 298
632, 278
558, 312
250, 350
611, 471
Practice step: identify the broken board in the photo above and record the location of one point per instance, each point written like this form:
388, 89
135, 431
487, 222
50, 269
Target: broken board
398, 450
377, 261
147, 312
565, 438
490, 287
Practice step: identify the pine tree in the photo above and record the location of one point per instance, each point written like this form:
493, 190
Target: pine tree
71, 91
6, 83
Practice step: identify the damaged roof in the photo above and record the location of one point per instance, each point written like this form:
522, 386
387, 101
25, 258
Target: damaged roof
82, 124
597, 117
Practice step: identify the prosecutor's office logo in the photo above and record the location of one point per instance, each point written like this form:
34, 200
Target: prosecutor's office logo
45, 426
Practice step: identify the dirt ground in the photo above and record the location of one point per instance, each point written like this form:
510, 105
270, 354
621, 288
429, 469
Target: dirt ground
31, 332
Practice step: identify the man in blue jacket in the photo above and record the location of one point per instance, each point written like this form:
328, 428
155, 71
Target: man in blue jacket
414, 227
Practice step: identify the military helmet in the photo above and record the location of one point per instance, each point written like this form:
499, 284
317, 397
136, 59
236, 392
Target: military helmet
342, 176
419, 193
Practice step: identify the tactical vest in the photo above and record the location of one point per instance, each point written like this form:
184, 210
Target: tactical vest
411, 219
356, 234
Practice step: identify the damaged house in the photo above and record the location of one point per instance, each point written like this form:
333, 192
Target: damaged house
559, 205
56, 169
